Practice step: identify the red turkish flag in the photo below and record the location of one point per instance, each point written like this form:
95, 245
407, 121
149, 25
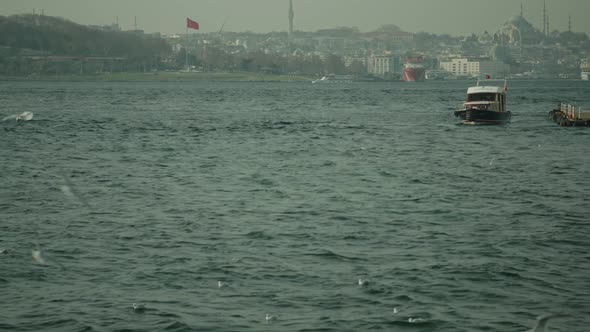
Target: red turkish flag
192, 24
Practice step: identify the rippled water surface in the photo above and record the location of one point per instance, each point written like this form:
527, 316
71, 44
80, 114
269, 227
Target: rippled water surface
216, 204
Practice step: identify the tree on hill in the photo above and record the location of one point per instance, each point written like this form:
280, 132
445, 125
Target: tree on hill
54, 36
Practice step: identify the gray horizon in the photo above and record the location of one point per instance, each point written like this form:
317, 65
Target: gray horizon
454, 17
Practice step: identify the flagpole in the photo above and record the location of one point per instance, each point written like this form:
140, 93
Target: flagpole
186, 48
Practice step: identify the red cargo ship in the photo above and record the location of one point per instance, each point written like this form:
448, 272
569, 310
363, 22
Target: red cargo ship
414, 69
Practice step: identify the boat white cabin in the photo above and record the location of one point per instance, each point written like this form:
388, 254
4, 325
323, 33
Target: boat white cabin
485, 104
490, 98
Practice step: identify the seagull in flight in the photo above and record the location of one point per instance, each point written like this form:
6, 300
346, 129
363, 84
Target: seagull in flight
24, 116
138, 307
38, 257
71, 192
270, 318
542, 322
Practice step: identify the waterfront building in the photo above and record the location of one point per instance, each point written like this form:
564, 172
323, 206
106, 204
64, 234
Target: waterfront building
350, 60
464, 67
382, 65
585, 69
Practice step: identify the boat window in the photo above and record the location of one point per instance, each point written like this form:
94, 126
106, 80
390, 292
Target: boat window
481, 97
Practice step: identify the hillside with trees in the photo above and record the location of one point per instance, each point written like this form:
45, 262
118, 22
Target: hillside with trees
38, 44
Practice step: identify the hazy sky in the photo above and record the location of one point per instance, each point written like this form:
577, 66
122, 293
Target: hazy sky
455, 17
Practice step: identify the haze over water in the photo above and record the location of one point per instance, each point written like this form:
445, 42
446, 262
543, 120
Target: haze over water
288, 194
455, 17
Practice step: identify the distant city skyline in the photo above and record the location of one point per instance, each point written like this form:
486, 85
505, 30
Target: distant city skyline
454, 17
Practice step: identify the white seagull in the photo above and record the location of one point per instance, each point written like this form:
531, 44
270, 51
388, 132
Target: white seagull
24, 116
542, 322
70, 191
137, 307
38, 257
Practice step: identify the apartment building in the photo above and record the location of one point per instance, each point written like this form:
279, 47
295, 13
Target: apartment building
467, 67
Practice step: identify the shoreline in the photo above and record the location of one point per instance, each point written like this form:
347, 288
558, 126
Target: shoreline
164, 76
179, 76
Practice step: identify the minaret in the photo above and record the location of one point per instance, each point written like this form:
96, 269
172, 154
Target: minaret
545, 18
521, 10
291, 16
548, 25
569, 24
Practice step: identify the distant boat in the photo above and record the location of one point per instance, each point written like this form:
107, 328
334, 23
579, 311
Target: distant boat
485, 105
414, 69
335, 79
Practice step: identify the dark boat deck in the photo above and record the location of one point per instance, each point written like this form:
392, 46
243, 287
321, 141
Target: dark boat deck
570, 116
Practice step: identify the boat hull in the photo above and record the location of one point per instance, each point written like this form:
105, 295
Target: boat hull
477, 116
414, 74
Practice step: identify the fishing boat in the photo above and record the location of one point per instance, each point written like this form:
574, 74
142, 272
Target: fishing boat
485, 104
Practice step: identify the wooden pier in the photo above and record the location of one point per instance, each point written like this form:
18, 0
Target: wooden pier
568, 115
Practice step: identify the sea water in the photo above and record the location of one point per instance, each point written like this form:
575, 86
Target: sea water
220, 206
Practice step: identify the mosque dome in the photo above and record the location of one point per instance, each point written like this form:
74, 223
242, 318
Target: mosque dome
517, 30
517, 20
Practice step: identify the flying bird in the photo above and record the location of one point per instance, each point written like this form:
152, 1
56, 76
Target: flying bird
38, 257
138, 307
542, 322
24, 116
72, 193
